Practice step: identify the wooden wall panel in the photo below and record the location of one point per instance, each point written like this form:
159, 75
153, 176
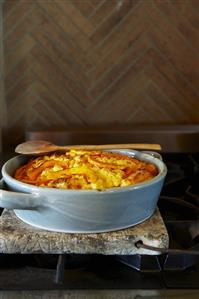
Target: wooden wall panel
100, 62
2, 98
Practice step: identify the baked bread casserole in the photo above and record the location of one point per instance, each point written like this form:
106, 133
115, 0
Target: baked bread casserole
96, 170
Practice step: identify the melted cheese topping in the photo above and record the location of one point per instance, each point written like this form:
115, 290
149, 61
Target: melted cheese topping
85, 170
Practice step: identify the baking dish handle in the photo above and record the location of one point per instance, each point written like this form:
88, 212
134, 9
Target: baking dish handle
153, 154
16, 200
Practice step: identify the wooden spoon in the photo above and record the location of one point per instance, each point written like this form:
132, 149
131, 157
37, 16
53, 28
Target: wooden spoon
37, 147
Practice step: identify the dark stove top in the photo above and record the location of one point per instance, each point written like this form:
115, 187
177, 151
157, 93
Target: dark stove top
179, 207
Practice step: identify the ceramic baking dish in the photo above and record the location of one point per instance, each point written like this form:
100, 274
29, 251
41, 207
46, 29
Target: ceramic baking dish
82, 211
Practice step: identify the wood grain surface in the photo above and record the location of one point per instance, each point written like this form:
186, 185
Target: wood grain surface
84, 63
2, 99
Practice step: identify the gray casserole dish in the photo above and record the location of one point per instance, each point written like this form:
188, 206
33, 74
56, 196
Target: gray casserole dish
82, 211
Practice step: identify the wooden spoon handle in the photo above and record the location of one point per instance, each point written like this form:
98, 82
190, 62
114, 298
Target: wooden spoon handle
40, 147
115, 146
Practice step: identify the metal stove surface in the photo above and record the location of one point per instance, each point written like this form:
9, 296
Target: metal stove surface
179, 206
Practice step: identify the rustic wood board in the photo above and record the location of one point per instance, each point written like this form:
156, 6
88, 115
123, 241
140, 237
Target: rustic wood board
19, 237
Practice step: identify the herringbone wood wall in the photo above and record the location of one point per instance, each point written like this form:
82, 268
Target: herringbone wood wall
100, 62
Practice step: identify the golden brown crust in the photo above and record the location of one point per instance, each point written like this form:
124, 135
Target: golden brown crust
85, 170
